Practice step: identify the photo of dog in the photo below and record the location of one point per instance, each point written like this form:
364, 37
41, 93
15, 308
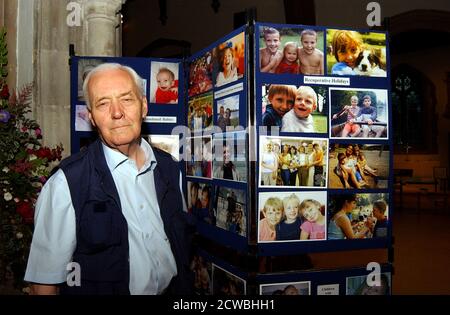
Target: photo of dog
369, 64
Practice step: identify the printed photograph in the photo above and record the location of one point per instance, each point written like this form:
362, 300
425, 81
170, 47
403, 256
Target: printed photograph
358, 166
82, 122
200, 75
291, 50
199, 157
164, 82
356, 216
199, 198
202, 270
354, 53
84, 67
228, 112
229, 60
300, 109
292, 216
167, 143
200, 112
229, 156
362, 285
293, 161
286, 288
231, 210
358, 113
226, 283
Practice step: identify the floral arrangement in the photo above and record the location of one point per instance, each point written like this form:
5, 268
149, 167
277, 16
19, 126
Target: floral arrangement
24, 168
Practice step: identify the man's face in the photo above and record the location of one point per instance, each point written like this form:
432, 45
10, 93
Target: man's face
272, 42
164, 80
367, 102
304, 104
281, 103
116, 108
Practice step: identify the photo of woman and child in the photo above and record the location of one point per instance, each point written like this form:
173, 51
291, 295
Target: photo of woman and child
358, 113
199, 198
356, 216
164, 82
358, 285
291, 50
288, 161
292, 216
353, 53
198, 157
226, 283
231, 210
295, 109
355, 166
200, 75
200, 112
287, 288
229, 62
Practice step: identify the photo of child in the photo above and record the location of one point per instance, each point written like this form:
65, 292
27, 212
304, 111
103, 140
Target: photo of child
358, 216
227, 112
291, 50
198, 157
353, 53
229, 156
229, 62
200, 112
199, 198
359, 285
358, 113
202, 270
292, 216
227, 283
355, 166
286, 288
200, 75
164, 82
82, 122
231, 211
300, 110
293, 161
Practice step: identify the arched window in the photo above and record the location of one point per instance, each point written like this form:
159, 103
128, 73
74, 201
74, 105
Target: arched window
413, 109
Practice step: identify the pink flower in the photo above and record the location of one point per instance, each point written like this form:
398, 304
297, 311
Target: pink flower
38, 132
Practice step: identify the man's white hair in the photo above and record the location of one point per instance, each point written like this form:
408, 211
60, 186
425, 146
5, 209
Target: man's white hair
138, 81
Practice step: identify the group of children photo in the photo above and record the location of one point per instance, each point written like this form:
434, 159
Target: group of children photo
294, 109
200, 112
290, 216
289, 161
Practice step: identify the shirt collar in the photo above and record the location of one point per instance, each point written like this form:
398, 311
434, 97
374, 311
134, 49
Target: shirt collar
115, 158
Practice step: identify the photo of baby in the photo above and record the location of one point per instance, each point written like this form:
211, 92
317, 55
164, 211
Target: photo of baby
229, 60
356, 216
362, 285
230, 156
231, 211
295, 109
164, 82
286, 288
227, 283
358, 166
291, 51
358, 113
292, 216
199, 198
198, 157
353, 53
293, 161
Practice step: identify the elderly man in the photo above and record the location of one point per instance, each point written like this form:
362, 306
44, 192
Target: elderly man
114, 209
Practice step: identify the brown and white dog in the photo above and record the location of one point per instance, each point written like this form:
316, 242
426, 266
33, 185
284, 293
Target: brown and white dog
369, 64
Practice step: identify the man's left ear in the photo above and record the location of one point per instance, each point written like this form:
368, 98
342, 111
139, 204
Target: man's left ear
144, 107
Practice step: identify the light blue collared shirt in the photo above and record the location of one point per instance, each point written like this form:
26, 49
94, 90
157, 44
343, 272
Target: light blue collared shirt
152, 264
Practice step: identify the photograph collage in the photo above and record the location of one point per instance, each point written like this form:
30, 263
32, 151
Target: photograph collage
216, 154
324, 159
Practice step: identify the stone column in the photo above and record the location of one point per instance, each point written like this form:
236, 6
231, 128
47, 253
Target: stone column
101, 18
